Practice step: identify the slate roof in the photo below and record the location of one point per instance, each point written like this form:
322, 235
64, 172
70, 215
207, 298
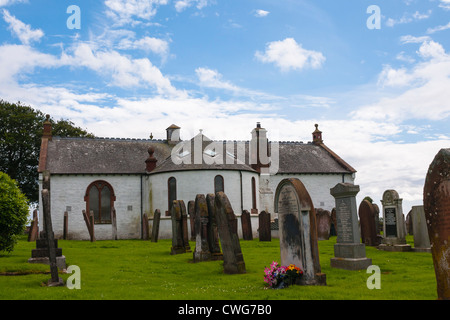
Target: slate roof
127, 156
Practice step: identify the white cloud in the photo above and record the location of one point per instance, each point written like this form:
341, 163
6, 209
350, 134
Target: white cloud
4, 3
158, 46
181, 5
213, 79
413, 39
23, 31
288, 55
445, 4
125, 11
261, 13
424, 93
438, 28
408, 18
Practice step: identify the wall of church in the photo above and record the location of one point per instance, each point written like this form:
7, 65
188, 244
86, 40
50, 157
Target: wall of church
318, 186
67, 194
191, 183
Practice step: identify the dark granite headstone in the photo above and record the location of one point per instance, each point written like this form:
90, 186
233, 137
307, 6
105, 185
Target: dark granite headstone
264, 226
213, 232
155, 227
368, 221
298, 231
246, 223
323, 220
233, 260
177, 228
201, 252
436, 202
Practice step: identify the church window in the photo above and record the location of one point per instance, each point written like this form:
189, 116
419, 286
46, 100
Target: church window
100, 199
218, 184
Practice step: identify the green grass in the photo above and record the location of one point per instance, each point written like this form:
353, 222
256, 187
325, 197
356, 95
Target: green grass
136, 269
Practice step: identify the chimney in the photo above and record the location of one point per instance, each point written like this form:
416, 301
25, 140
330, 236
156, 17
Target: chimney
47, 128
259, 148
173, 134
150, 163
317, 135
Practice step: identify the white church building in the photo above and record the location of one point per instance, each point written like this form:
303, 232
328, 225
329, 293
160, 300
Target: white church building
138, 176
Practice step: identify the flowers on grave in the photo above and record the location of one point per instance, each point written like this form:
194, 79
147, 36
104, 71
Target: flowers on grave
278, 277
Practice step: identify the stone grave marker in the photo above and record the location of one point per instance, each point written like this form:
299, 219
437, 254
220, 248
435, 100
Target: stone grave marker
333, 229
368, 223
145, 227
298, 231
213, 232
420, 231
394, 229
155, 226
191, 213
323, 221
65, 225
233, 260
436, 202
34, 228
201, 220
246, 223
349, 252
184, 226
178, 245
264, 226
114, 224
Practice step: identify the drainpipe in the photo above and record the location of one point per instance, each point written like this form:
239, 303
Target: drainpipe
242, 200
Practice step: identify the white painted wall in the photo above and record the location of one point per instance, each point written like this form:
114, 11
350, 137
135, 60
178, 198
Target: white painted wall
68, 191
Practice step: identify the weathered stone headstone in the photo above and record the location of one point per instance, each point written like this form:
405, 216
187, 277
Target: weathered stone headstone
298, 231
184, 226
408, 223
201, 220
264, 226
34, 228
420, 231
191, 213
233, 260
394, 229
155, 227
349, 252
368, 223
323, 221
177, 228
114, 223
436, 202
145, 227
89, 224
333, 231
246, 223
213, 232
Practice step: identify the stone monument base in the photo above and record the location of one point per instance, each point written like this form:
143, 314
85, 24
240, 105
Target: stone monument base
416, 249
60, 283
351, 256
394, 247
60, 261
320, 279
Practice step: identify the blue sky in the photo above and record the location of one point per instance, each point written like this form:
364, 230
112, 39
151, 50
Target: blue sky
381, 96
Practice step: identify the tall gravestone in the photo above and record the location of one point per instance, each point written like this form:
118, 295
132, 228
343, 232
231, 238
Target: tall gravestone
264, 226
349, 252
178, 245
213, 232
201, 220
323, 220
191, 213
394, 229
155, 226
298, 231
436, 202
420, 231
246, 224
368, 223
184, 226
233, 260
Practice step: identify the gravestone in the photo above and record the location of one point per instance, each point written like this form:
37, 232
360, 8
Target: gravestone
323, 221
114, 223
349, 252
333, 229
368, 223
246, 223
184, 226
298, 231
233, 260
394, 229
145, 227
155, 227
90, 225
408, 222
436, 203
65, 225
201, 220
420, 231
178, 246
34, 228
213, 232
264, 226
191, 213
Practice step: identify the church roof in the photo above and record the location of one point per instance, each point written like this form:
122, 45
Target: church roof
127, 156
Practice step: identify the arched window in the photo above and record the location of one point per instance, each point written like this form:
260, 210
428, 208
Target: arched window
253, 193
100, 198
172, 191
218, 184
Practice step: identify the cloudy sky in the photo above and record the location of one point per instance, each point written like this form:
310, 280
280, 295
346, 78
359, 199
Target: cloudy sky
373, 74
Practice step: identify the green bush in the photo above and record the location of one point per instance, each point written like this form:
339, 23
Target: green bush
13, 212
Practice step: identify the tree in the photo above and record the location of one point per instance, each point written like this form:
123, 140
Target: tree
13, 212
20, 141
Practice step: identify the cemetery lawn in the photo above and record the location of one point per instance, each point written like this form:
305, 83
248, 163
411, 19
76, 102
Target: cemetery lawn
136, 269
